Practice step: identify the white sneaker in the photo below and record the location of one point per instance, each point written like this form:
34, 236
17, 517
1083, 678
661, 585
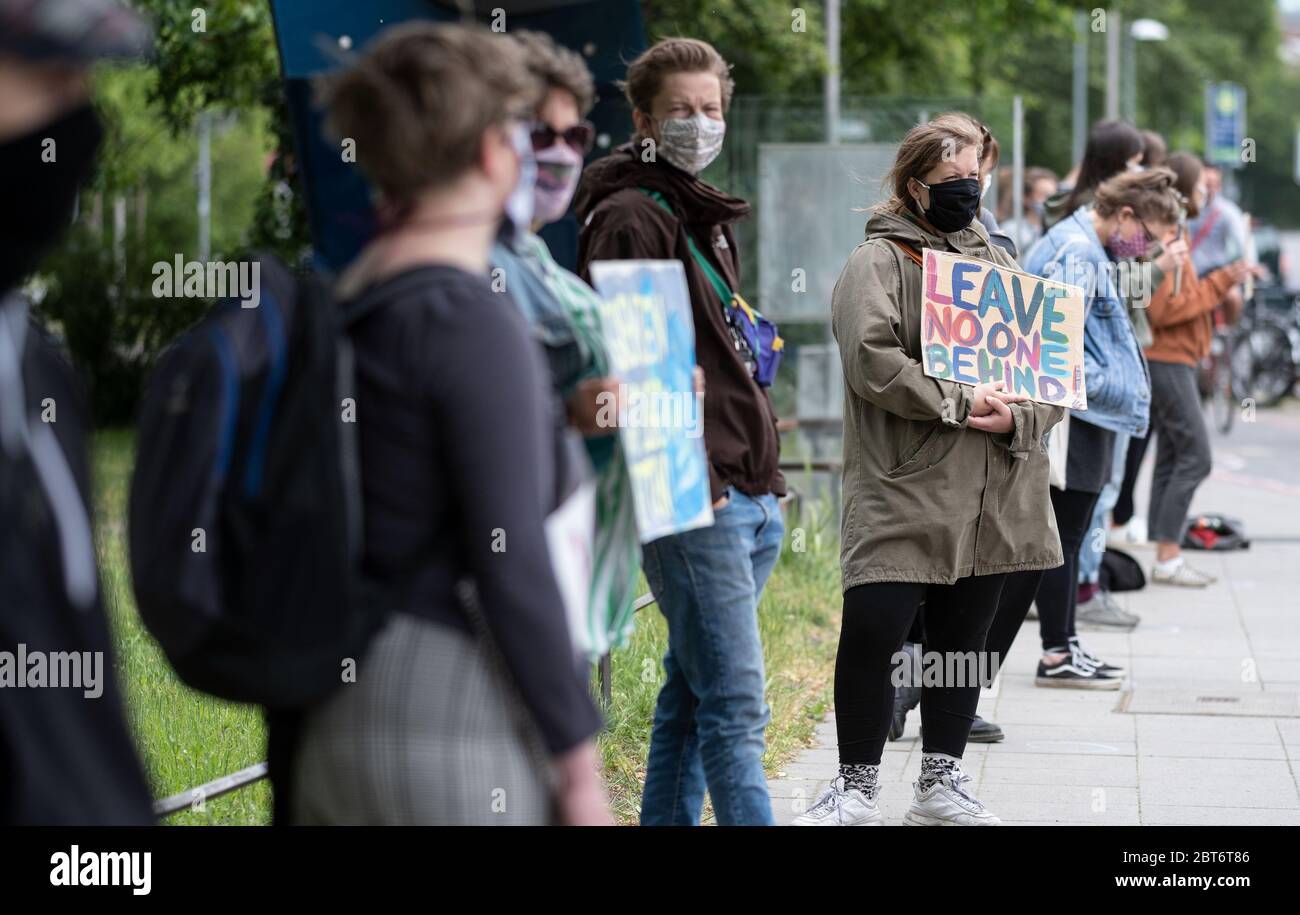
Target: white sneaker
1181, 575
837, 807
1132, 534
946, 803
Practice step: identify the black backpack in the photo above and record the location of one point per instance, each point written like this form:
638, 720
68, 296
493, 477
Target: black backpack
1120, 572
245, 502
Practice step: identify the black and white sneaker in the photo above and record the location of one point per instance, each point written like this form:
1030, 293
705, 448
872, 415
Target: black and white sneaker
1082, 654
1071, 672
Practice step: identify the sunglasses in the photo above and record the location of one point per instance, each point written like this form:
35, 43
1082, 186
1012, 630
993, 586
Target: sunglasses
580, 137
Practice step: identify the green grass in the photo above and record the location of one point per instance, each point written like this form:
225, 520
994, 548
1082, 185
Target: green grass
798, 621
187, 738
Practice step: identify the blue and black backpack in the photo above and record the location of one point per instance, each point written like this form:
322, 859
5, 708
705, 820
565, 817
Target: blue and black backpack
245, 516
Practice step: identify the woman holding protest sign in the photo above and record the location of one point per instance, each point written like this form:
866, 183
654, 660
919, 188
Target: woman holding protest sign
943, 485
1131, 213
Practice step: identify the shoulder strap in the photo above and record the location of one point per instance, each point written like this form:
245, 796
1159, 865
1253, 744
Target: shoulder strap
1201, 234
907, 249
719, 284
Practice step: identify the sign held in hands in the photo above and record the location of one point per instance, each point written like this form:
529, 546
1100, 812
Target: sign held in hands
649, 332
983, 323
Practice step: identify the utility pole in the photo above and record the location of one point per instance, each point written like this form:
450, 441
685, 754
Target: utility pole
832, 72
204, 176
1079, 132
1114, 35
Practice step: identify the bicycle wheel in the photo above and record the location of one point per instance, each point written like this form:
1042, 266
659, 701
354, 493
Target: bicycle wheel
1274, 373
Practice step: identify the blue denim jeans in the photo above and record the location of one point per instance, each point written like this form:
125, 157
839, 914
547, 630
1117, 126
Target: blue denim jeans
1094, 544
711, 713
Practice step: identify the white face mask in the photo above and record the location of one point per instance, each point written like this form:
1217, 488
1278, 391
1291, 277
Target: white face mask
519, 205
558, 168
691, 143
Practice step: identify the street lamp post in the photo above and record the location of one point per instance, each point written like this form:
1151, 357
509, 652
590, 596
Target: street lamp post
1140, 30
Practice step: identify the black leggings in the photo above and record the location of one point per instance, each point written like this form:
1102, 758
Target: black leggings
1123, 511
1017, 594
877, 620
1056, 590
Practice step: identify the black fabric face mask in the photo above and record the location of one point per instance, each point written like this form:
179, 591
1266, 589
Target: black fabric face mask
37, 196
953, 204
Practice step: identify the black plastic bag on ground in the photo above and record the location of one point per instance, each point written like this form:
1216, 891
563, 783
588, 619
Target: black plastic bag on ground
1120, 572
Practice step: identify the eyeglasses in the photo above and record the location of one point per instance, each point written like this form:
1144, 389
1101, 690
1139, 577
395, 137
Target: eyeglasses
1151, 237
580, 137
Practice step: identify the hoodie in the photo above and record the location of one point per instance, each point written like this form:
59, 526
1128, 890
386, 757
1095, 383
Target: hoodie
619, 222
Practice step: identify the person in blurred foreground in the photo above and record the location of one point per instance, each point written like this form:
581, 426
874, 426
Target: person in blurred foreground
565, 315
646, 200
920, 454
469, 708
66, 757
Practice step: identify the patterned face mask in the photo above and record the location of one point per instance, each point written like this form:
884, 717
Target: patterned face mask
1131, 249
691, 143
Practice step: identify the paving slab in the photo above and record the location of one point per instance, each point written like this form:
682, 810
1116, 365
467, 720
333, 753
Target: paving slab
1073, 757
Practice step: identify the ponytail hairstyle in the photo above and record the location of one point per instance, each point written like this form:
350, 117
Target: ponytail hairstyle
1188, 168
1151, 194
923, 149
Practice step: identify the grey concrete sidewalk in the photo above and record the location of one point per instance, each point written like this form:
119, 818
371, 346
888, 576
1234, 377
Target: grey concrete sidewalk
1205, 731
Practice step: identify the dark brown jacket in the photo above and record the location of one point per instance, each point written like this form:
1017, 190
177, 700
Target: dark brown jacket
621, 223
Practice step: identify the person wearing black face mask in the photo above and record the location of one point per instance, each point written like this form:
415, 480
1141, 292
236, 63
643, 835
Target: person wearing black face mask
66, 757
43, 171
920, 454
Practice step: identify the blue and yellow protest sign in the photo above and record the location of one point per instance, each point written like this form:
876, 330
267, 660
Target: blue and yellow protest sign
650, 335
982, 323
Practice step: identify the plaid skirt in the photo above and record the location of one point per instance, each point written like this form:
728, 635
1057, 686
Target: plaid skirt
429, 734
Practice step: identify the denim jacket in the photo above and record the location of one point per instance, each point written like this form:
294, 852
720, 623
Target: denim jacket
1119, 386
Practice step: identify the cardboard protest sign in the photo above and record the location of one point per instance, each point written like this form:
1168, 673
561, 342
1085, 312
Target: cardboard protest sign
650, 335
981, 323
